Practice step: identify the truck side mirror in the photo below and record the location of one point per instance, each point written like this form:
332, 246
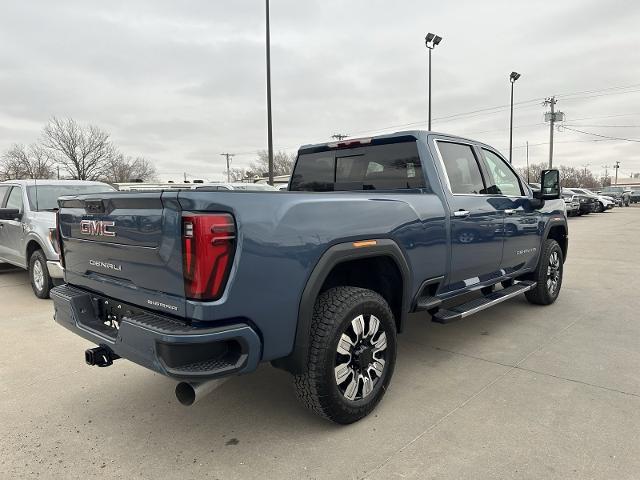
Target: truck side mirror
550, 185
10, 214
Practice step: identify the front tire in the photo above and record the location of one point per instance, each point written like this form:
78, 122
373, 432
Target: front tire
39, 275
352, 354
548, 275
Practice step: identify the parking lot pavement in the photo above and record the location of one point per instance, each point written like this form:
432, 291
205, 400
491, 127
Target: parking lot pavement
517, 391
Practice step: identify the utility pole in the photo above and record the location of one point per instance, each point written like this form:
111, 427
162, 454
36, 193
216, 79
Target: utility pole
228, 155
269, 124
58, 168
616, 166
552, 117
552, 102
528, 180
185, 177
340, 136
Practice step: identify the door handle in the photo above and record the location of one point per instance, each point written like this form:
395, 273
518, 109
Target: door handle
509, 211
461, 213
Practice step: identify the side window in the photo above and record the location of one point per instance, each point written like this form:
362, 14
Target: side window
503, 180
3, 193
15, 198
462, 168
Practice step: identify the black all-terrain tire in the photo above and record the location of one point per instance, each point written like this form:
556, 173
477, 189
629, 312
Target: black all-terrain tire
542, 294
39, 275
333, 314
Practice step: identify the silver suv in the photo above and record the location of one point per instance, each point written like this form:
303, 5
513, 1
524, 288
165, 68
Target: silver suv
27, 226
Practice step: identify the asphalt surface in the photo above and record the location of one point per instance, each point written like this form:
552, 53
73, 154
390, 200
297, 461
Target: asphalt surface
517, 391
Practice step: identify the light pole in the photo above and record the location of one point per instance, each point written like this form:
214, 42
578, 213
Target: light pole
269, 124
512, 78
431, 40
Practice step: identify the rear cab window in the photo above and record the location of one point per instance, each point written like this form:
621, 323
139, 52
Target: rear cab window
387, 164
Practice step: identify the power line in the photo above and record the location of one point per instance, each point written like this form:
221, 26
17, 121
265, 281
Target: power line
607, 126
623, 87
602, 136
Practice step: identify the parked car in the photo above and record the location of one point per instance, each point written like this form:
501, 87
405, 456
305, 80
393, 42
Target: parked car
634, 196
621, 195
317, 281
27, 226
603, 202
571, 202
588, 203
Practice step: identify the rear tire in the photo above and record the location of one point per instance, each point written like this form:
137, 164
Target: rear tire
352, 353
39, 274
548, 275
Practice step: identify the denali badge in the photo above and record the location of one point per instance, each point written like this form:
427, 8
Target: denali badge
110, 266
163, 305
97, 228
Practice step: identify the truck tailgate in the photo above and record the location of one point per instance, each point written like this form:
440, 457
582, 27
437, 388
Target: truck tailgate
127, 246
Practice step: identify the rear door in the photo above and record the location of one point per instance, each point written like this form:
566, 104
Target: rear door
476, 222
126, 245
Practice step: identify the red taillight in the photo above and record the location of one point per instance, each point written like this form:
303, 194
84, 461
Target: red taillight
208, 242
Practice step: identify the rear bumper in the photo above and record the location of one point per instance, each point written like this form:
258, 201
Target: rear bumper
160, 343
55, 269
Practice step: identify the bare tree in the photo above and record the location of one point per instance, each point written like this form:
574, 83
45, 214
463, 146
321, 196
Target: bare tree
236, 174
85, 152
126, 169
282, 163
533, 174
21, 162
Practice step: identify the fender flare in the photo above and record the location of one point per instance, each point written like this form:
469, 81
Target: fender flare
557, 222
32, 237
340, 253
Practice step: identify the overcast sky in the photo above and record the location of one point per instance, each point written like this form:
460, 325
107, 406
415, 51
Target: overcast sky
182, 82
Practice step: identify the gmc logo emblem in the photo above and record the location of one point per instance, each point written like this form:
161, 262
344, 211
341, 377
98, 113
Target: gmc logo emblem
97, 228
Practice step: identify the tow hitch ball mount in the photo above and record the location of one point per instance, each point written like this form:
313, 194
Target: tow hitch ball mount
100, 356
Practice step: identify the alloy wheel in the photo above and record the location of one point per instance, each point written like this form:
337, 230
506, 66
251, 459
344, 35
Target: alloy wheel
553, 273
38, 275
360, 357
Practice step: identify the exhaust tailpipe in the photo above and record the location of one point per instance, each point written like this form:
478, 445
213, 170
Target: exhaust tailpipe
189, 393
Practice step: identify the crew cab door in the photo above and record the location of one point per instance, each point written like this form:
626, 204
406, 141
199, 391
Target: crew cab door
12, 230
475, 220
4, 191
523, 226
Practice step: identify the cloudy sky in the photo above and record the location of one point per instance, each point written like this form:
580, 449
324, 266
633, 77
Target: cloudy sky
182, 82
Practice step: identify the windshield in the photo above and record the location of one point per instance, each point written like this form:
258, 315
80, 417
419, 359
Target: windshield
47, 195
613, 189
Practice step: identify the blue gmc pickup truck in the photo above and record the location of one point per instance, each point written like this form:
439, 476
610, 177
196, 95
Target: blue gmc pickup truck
318, 279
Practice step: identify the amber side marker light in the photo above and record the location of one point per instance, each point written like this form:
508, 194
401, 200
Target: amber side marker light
365, 243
